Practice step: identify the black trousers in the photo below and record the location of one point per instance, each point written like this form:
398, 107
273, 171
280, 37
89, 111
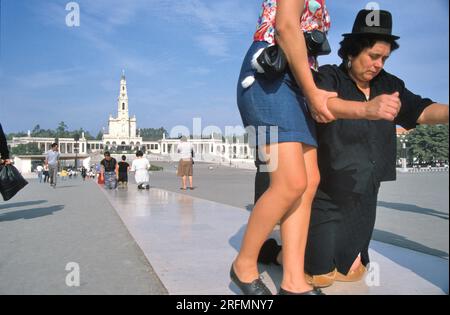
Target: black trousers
341, 226
262, 180
340, 229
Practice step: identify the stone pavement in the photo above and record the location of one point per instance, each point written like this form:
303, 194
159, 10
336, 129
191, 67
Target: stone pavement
161, 241
43, 229
190, 243
412, 212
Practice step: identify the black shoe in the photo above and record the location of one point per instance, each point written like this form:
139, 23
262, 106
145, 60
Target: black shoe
257, 287
314, 291
269, 252
147, 187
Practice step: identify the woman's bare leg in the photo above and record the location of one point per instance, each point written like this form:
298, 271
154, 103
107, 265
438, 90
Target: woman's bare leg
294, 229
356, 263
288, 183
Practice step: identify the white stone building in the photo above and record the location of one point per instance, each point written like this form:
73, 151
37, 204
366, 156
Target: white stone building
122, 131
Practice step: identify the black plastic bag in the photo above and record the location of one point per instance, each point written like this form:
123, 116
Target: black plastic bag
11, 181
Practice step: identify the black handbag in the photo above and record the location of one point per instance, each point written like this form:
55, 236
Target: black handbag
273, 60
11, 181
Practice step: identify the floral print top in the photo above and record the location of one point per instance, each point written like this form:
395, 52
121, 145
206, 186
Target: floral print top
315, 17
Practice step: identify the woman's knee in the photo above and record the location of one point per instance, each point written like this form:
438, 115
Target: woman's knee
313, 181
291, 190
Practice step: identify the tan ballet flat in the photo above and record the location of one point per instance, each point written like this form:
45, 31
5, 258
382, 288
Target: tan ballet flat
353, 275
321, 281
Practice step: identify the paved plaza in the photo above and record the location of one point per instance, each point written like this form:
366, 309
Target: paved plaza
166, 241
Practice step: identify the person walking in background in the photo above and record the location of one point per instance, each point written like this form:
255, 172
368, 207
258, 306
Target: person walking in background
124, 167
39, 171
109, 171
46, 173
52, 162
4, 152
185, 165
141, 167
83, 173
64, 174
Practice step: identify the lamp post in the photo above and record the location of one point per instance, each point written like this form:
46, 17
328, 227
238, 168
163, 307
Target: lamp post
231, 153
404, 141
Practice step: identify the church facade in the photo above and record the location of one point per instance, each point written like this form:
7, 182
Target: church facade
122, 130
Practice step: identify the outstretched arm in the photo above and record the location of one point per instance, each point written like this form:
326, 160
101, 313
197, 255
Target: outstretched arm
383, 107
434, 114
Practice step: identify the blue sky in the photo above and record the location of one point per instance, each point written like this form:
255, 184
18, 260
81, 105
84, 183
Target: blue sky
181, 57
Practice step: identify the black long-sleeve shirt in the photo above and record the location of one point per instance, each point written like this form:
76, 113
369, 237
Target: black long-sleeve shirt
3, 145
354, 153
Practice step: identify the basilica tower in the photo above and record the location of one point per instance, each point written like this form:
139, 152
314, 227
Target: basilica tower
122, 131
123, 112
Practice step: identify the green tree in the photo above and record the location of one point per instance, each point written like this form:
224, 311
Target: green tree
61, 130
36, 129
43, 133
26, 149
17, 134
152, 134
99, 135
428, 144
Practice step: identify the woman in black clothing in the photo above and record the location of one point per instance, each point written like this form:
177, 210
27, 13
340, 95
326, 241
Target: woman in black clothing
355, 156
4, 148
124, 167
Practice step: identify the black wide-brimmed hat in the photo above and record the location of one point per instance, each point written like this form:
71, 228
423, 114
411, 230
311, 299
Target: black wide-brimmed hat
377, 22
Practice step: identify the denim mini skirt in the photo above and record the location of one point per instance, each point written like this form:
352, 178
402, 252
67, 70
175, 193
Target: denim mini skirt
278, 103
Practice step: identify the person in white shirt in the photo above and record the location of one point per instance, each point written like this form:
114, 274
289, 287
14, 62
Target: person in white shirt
141, 167
185, 166
39, 171
52, 161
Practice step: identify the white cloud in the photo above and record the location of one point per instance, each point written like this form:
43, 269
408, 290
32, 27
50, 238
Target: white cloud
213, 45
199, 70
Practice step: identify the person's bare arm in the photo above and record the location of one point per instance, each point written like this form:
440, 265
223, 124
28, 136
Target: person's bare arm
434, 114
383, 107
290, 38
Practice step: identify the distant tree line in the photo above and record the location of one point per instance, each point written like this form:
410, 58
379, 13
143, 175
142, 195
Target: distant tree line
26, 149
62, 131
152, 134
425, 145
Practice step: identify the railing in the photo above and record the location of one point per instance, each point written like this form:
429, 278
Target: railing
424, 170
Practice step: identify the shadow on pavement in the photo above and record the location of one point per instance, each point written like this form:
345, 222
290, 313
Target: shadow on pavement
435, 273
30, 213
401, 241
22, 204
413, 208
